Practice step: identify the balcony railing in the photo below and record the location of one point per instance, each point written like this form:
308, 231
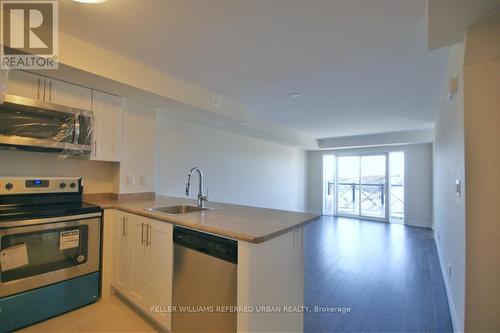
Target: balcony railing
372, 198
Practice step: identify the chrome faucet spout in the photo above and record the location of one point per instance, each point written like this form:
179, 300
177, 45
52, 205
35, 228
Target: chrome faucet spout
201, 197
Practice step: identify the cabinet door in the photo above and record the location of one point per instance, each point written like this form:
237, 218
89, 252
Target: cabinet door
25, 84
139, 277
68, 94
122, 253
107, 111
160, 268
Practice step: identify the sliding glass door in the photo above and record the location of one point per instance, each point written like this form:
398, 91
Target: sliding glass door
373, 180
365, 185
361, 185
348, 180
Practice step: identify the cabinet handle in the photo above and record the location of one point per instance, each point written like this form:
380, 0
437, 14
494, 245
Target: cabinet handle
124, 228
42, 90
50, 91
38, 89
142, 233
149, 235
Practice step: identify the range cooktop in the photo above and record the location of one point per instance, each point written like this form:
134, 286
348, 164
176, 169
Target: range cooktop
23, 198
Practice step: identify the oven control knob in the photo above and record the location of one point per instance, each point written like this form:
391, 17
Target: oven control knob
9, 186
62, 185
72, 185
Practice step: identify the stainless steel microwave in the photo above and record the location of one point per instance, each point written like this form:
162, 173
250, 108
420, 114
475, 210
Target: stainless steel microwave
29, 124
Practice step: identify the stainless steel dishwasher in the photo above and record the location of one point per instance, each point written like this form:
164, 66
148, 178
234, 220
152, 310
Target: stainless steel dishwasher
205, 269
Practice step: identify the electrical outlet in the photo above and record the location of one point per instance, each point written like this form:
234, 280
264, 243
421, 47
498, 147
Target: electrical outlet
449, 271
216, 101
145, 180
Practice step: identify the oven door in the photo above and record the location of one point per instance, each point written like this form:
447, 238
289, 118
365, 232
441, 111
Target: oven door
38, 255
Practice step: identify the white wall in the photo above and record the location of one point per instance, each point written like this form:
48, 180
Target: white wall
138, 148
482, 176
449, 210
315, 182
418, 180
98, 176
238, 169
425, 135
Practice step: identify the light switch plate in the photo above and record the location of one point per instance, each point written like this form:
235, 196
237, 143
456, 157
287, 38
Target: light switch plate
130, 180
458, 187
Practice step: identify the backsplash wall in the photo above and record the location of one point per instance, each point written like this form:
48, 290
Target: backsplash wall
98, 176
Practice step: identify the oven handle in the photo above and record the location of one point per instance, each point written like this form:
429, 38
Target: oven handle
23, 223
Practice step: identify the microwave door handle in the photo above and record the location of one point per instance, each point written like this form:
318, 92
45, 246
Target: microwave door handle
77, 129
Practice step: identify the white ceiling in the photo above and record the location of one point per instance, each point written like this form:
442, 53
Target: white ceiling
361, 66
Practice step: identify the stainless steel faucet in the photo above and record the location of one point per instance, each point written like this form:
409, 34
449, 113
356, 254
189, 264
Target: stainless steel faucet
201, 197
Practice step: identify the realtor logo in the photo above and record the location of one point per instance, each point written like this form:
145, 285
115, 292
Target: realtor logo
29, 35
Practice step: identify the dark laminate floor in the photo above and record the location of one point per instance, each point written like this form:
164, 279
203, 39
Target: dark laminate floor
388, 275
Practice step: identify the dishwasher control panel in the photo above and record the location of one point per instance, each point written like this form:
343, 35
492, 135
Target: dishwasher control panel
215, 246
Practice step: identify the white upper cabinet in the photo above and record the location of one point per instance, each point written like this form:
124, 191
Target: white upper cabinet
25, 84
49, 90
63, 93
107, 111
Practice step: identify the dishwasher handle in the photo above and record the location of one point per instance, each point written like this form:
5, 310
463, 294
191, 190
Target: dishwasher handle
218, 247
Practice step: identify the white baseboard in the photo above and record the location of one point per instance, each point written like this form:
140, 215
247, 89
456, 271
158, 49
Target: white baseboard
418, 223
451, 303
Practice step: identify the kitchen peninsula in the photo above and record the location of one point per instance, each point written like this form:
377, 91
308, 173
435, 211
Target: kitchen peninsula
270, 265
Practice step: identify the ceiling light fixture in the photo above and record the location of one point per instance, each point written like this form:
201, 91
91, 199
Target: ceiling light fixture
90, 1
294, 95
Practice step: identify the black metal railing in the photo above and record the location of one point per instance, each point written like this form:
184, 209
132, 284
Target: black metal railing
372, 196
397, 201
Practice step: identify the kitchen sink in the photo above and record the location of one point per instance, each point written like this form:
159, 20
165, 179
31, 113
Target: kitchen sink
178, 209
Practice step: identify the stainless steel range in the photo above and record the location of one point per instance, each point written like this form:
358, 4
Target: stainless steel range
49, 249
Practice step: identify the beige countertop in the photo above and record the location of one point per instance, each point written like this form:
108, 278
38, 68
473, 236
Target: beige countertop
249, 224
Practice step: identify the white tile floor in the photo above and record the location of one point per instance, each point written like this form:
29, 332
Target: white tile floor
110, 315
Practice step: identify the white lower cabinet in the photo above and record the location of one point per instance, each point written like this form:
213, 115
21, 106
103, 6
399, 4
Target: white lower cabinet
122, 258
143, 264
159, 254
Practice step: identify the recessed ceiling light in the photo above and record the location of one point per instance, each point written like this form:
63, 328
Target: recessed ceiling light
90, 1
294, 95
